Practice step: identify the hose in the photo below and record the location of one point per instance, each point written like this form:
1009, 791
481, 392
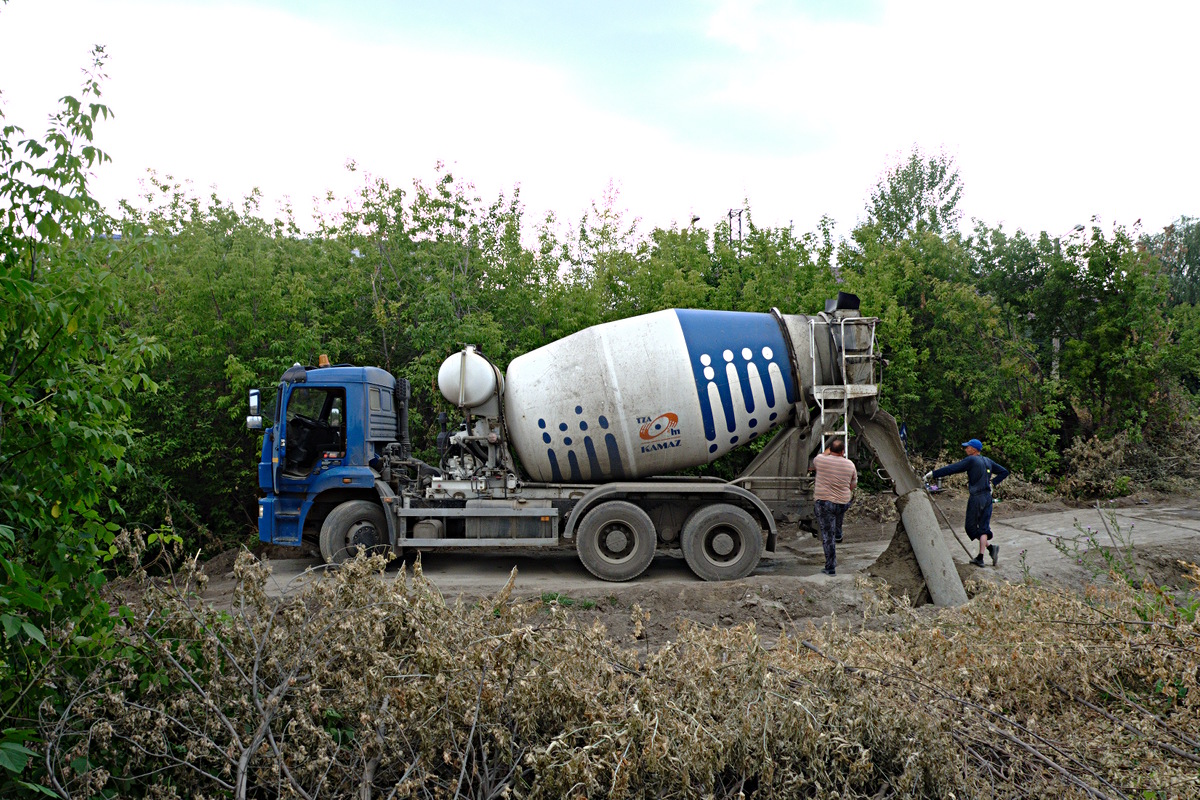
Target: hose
947, 521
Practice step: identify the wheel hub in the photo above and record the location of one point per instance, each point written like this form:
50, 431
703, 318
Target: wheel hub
616, 542
722, 545
362, 534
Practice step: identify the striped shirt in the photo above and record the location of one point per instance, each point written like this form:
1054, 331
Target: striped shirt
836, 477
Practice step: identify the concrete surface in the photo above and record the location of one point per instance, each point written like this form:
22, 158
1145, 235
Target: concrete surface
799, 557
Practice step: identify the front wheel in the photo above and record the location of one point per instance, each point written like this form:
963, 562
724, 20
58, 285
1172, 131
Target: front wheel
616, 541
721, 542
357, 525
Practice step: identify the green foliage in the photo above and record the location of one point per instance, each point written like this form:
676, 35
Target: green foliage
70, 365
235, 298
557, 598
918, 195
403, 277
1177, 249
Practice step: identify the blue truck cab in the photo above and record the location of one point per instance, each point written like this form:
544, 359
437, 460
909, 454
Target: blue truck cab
331, 425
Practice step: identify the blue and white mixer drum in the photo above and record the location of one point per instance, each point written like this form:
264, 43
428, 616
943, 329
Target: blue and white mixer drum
648, 395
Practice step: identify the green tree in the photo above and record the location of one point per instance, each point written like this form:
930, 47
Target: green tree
920, 194
70, 366
1105, 300
955, 367
1178, 251
236, 298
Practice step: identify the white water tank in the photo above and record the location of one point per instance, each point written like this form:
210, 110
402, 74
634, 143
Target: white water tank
467, 379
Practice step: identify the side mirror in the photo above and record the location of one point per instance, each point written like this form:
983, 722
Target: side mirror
254, 422
335, 418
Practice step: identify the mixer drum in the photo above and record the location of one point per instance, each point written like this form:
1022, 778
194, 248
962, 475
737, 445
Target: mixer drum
648, 395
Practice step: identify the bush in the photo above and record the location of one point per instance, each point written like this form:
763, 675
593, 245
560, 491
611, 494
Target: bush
1119, 466
363, 684
71, 367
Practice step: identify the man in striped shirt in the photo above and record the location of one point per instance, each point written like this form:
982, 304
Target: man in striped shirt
836, 479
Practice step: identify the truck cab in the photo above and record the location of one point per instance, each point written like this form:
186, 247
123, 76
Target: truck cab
331, 424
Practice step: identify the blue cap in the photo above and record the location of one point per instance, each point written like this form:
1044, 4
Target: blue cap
978, 445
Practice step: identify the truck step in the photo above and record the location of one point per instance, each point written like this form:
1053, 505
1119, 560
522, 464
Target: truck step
287, 528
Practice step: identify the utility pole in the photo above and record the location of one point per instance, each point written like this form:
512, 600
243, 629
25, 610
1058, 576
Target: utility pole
735, 212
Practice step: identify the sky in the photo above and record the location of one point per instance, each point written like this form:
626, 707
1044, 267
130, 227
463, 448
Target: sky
1054, 112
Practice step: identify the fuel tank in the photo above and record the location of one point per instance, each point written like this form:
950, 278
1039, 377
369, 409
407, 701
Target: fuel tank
654, 394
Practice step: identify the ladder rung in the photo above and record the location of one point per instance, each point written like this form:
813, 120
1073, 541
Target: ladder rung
841, 391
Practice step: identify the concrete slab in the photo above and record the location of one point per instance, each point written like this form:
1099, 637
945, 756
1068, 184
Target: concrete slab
1035, 537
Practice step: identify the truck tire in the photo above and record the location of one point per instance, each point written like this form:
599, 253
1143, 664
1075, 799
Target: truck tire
354, 525
721, 542
616, 541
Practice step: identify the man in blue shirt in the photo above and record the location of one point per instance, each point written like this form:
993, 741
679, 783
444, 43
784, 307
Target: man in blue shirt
982, 475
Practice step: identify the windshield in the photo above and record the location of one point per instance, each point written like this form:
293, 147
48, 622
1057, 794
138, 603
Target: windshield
319, 405
313, 428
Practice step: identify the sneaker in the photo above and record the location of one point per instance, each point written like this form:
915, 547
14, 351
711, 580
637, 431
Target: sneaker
994, 552
829, 571
978, 560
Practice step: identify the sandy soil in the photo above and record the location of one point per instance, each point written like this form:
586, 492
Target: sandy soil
789, 588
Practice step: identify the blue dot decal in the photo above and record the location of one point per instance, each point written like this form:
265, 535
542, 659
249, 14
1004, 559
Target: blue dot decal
578, 409
582, 425
541, 423
546, 438
567, 441
614, 456
712, 448
773, 416
753, 423
753, 378
593, 460
603, 422
734, 440
562, 426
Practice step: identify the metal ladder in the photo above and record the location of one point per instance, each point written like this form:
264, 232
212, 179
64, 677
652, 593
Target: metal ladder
833, 400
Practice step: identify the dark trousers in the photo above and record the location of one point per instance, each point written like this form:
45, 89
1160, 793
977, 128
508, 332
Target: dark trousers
829, 520
979, 515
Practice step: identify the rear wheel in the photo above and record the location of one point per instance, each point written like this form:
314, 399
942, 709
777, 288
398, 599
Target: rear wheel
354, 526
721, 542
616, 541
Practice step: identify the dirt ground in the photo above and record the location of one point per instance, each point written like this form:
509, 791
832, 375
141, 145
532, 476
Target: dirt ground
1039, 541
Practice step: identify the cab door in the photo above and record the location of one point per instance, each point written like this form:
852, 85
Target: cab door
314, 434
277, 435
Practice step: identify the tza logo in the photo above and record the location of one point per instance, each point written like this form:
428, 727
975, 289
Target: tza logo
661, 432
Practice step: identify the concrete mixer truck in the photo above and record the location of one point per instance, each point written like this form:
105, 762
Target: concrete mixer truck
577, 442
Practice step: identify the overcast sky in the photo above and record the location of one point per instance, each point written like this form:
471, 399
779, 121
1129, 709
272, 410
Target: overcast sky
1054, 111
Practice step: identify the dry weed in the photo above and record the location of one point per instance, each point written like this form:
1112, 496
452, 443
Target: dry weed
1121, 465
364, 685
